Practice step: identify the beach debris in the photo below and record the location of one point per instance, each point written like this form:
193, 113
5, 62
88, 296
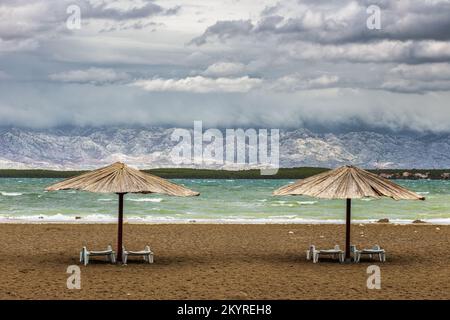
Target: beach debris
418, 221
384, 220
192, 221
77, 218
291, 232
437, 228
321, 237
361, 225
415, 231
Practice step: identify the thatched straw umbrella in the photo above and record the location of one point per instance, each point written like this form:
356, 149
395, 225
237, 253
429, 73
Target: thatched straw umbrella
120, 179
348, 183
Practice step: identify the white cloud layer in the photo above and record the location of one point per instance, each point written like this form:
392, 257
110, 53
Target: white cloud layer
200, 84
91, 75
224, 69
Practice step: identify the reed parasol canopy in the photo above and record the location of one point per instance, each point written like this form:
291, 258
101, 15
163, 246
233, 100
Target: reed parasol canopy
347, 182
121, 179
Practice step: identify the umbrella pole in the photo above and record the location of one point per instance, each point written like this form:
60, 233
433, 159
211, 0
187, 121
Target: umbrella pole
120, 228
347, 229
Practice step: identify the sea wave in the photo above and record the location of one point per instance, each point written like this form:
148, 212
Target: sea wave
283, 217
11, 194
282, 203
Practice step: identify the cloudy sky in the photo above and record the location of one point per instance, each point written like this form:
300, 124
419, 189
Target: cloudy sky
266, 63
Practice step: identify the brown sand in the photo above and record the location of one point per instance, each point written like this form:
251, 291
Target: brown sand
223, 262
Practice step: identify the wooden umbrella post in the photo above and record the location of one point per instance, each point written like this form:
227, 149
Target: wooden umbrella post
348, 229
120, 228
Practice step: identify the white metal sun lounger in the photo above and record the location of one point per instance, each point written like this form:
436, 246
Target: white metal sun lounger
314, 254
85, 254
376, 250
147, 254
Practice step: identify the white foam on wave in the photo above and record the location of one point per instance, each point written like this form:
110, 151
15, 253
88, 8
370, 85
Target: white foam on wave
146, 200
306, 202
283, 217
286, 219
105, 199
59, 218
11, 194
41, 217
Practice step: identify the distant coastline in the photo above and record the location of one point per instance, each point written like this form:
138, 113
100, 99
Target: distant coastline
283, 173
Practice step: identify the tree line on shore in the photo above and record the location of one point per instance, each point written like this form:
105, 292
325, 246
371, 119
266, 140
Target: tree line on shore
190, 173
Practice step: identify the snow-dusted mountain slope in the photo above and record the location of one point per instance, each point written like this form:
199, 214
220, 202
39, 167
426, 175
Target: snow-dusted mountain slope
84, 148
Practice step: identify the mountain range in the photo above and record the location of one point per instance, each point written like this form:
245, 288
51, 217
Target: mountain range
85, 148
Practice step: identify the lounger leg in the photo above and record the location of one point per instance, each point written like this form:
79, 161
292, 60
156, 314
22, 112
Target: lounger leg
150, 258
124, 258
315, 257
86, 258
308, 255
113, 257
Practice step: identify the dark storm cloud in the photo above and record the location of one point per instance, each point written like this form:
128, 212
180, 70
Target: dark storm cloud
341, 22
30, 19
102, 11
284, 64
225, 30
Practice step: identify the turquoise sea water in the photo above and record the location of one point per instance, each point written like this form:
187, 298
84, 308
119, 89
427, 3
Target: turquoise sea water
241, 201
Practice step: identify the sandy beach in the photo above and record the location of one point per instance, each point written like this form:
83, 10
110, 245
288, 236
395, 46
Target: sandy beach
201, 261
